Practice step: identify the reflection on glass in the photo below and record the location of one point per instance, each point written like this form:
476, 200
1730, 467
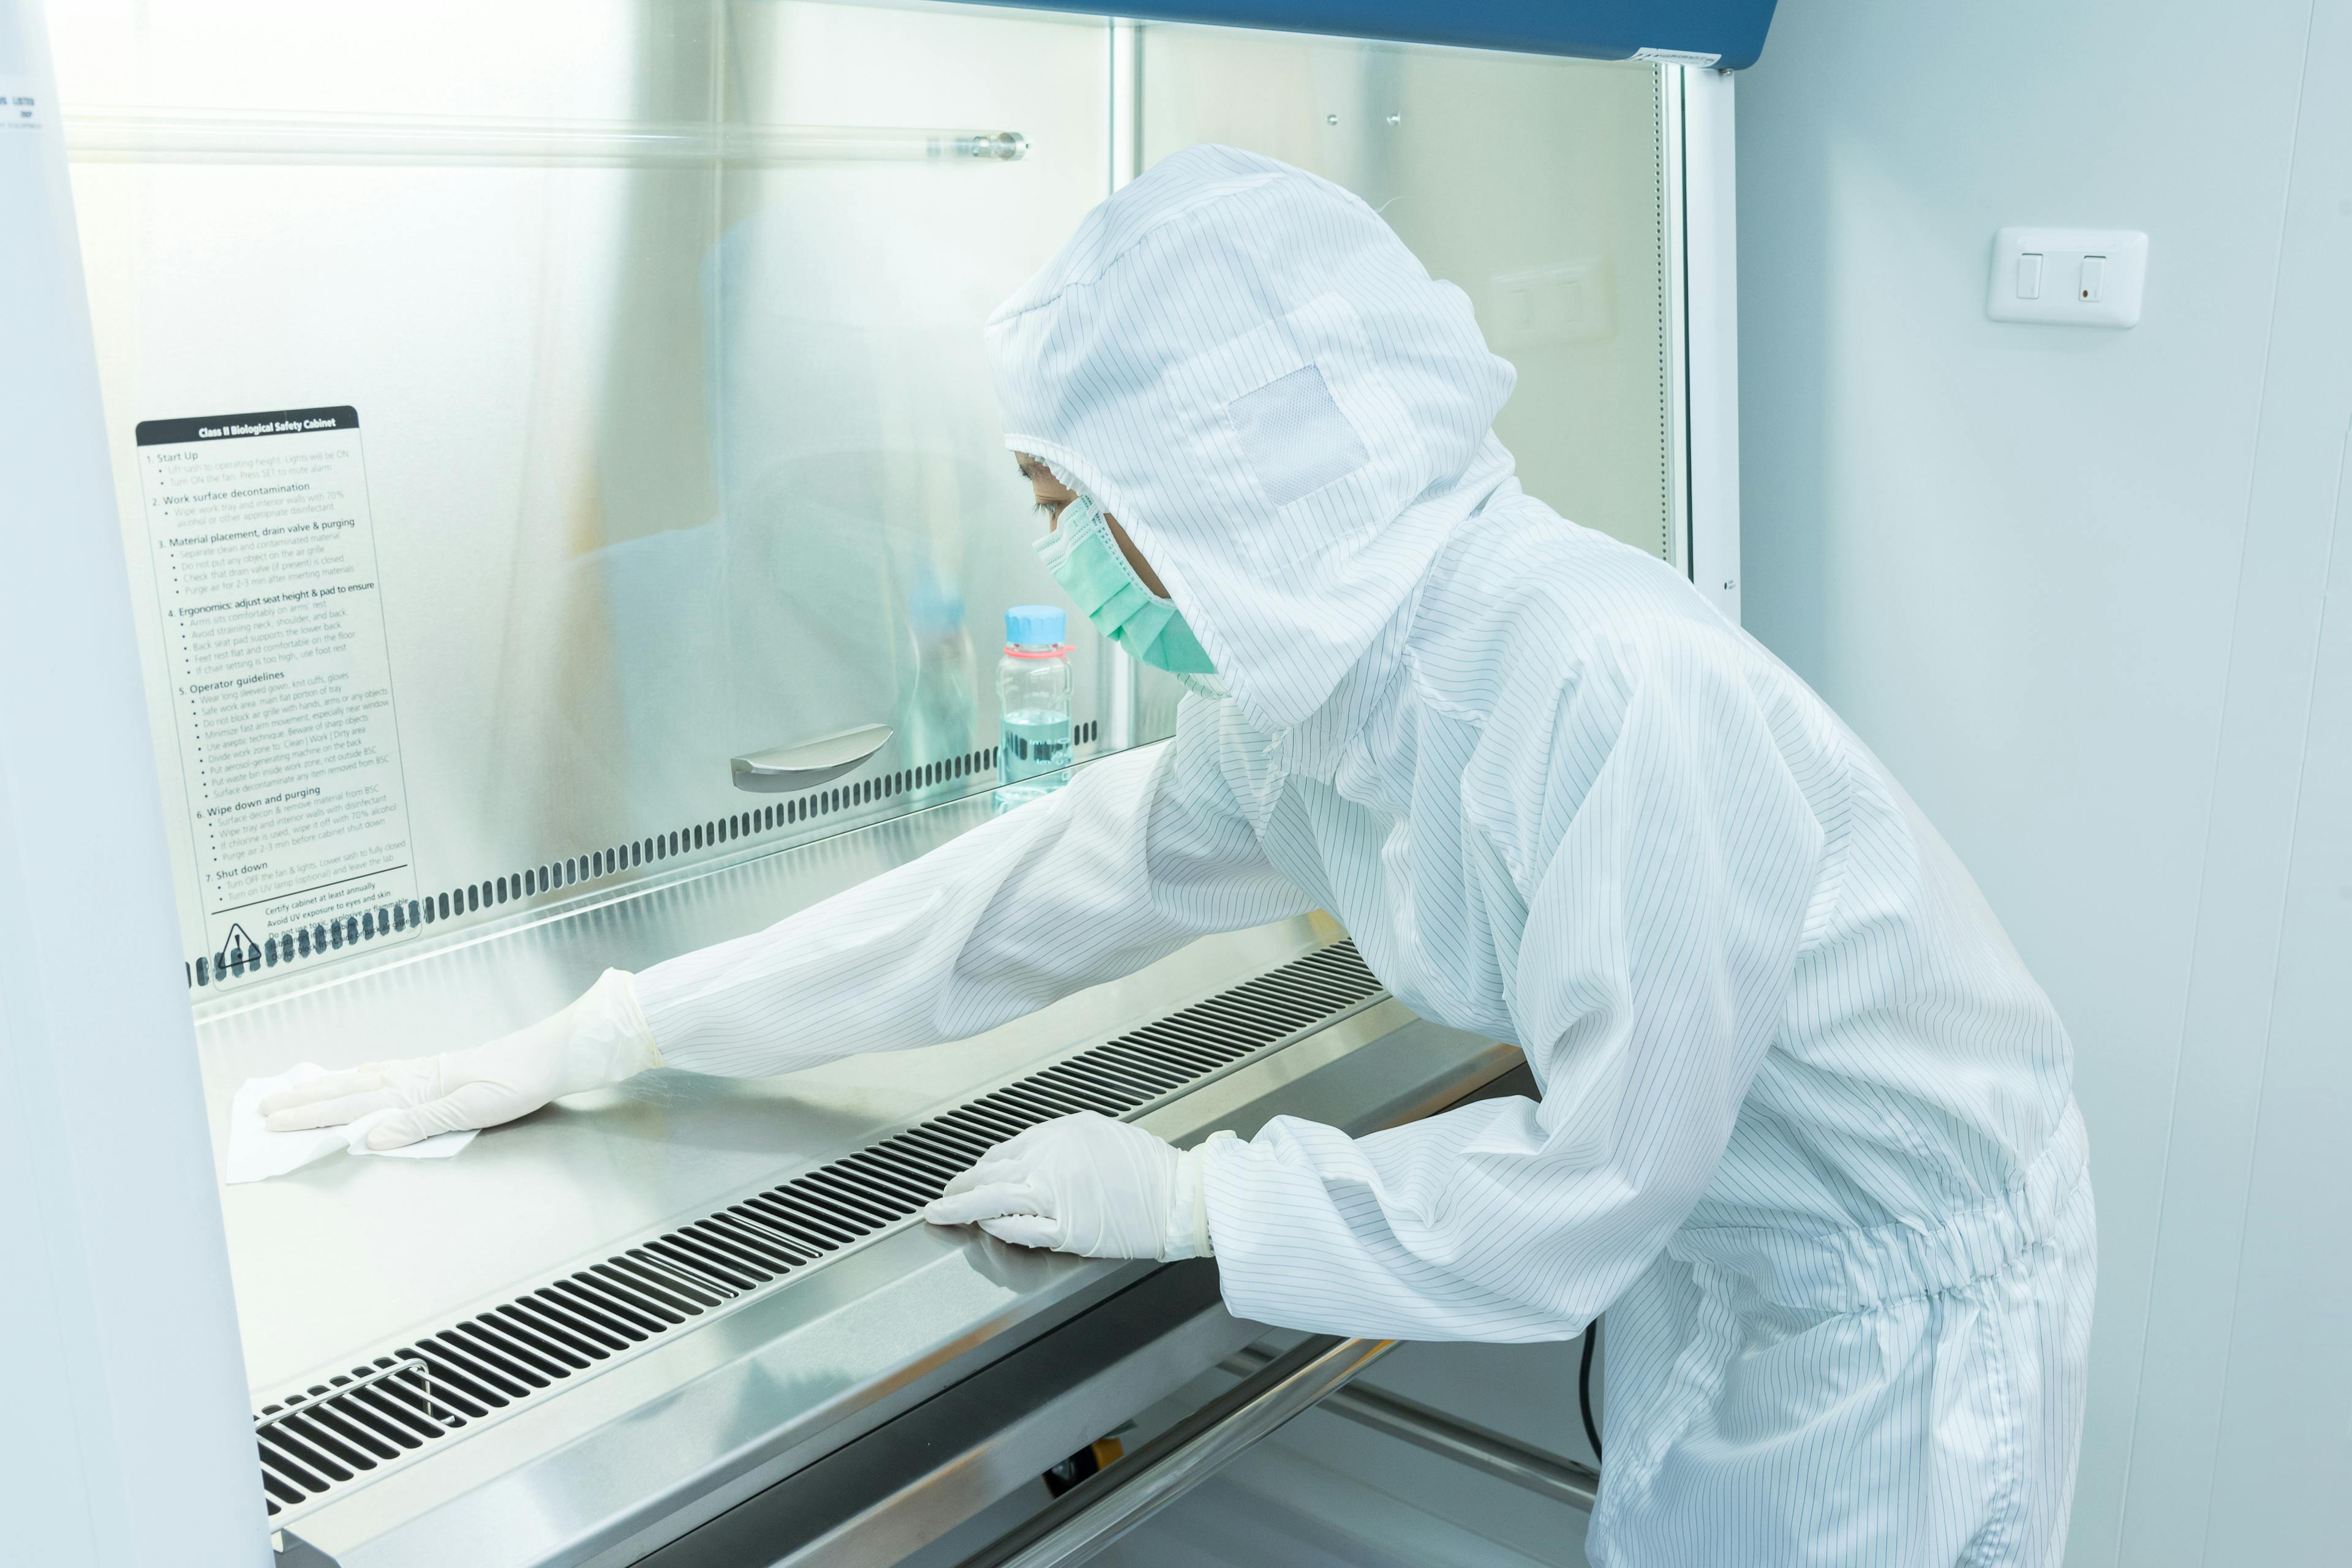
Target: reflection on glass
848, 454
1533, 182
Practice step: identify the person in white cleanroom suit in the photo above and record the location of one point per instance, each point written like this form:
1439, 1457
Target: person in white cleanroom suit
1806, 1126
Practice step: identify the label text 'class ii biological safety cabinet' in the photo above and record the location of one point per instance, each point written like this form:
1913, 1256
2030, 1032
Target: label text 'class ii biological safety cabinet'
264, 556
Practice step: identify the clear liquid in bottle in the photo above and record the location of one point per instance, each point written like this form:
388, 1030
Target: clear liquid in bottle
1033, 688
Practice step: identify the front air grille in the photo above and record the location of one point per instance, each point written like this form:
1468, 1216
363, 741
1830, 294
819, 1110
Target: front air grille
242, 953
341, 1430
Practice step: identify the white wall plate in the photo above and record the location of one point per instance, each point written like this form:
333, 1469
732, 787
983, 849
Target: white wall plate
2067, 277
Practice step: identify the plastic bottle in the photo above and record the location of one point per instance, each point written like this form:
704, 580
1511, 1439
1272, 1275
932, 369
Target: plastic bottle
1033, 692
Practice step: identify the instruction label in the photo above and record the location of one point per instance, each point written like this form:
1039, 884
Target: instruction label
265, 562
20, 106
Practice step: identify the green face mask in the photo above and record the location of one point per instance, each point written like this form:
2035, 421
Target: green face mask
1087, 561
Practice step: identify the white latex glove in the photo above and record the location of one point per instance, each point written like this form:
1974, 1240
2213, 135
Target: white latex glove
600, 1039
1087, 1184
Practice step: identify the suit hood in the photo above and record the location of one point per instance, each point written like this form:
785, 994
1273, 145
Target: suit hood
1245, 365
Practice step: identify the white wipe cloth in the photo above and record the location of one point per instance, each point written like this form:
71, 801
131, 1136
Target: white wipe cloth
256, 1154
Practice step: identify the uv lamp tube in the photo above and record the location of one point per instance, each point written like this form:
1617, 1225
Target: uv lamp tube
196, 136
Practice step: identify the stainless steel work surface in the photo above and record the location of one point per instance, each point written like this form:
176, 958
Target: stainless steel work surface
346, 1256
606, 1470
351, 1261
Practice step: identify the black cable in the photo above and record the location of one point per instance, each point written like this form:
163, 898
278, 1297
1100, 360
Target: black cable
1584, 1388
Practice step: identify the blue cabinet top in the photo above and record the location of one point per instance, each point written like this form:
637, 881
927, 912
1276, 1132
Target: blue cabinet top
1726, 33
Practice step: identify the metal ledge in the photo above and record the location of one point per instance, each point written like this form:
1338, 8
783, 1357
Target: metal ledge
907, 1483
1552, 1477
1083, 1522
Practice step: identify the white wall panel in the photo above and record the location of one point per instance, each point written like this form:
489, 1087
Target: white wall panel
2070, 584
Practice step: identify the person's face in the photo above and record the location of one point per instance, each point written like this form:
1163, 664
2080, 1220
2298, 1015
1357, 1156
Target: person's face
1052, 496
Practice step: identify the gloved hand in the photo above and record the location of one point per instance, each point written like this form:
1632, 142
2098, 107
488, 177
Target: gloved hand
600, 1039
1087, 1184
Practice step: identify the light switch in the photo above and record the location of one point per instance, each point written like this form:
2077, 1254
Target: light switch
2067, 277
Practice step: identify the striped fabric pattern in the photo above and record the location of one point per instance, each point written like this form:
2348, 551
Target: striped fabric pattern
1807, 1125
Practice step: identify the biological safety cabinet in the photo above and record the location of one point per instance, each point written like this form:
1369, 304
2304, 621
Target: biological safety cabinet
563, 522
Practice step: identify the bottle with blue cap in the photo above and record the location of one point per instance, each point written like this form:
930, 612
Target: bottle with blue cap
1033, 692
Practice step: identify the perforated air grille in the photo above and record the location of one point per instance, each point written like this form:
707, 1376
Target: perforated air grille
339, 1431
244, 954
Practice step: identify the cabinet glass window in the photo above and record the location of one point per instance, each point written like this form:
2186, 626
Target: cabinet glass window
522, 410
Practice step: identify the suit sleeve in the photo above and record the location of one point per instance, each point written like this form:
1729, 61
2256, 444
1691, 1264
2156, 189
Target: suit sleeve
1140, 855
1660, 941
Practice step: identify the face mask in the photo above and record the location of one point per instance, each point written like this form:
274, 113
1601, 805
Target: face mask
1088, 564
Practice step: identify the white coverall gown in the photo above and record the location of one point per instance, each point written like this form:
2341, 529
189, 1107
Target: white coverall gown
1807, 1126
